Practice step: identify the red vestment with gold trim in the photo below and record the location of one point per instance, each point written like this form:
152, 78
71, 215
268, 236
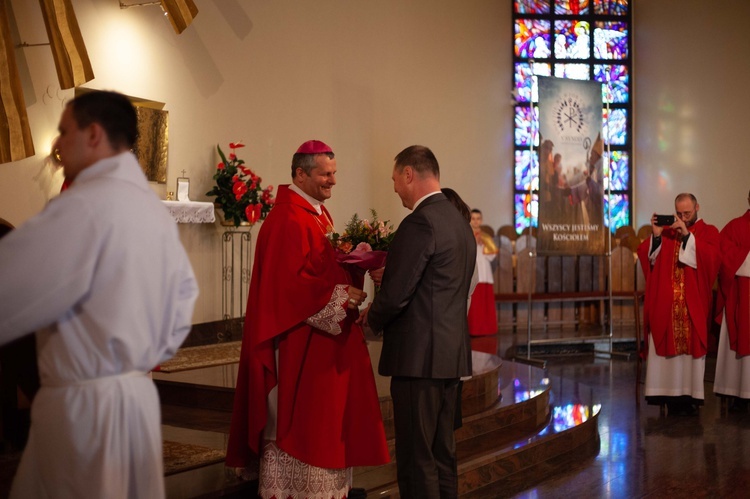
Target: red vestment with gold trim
678, 300
328, 408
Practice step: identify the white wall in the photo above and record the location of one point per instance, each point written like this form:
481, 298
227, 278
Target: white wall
691, 71
371, 78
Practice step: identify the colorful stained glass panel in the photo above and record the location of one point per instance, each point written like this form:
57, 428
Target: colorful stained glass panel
532, 38
531, 6
620, 175
524, 208
572, 40
615, 126
611, 7
525, 125
571, 7
527, 170
610, 40
618, 88
526, 91
572, 71
620, 211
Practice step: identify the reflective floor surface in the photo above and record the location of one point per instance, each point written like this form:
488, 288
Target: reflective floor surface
643, 454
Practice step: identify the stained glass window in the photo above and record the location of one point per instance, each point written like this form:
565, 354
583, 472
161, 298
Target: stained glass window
620, 211
614, 125
526, 125
572, 40
581, 40
611, 40
532, 39
526, 210
620, 170
610, 7
525, 91
616, 83
527, 169
572, 71
571, 7
531, 6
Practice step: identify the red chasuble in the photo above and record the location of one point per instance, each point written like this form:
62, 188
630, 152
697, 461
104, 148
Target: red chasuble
328, 408
734, 290
677, 306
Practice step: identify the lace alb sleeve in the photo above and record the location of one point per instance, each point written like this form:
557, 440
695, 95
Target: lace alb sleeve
329, 318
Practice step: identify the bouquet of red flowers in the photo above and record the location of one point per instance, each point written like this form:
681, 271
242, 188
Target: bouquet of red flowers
363, 244
238, 191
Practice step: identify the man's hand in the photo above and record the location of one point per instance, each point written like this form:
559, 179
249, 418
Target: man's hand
356, 297
679, 226
363, 316
656, 230
377, 275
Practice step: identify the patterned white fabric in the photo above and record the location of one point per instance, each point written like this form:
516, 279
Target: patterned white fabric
191, 212
283, 477
330, 316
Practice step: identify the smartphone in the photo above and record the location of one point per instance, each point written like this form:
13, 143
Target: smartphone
664, 220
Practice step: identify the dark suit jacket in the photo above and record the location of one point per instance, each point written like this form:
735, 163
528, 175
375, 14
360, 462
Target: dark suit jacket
421, 305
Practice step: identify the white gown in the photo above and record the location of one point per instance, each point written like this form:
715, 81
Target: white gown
732, 372
103, 273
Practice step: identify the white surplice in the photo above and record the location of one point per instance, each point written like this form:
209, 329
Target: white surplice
102, 273
732, 372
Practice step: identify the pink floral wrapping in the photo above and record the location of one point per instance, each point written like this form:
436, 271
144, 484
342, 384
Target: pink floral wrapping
361, 260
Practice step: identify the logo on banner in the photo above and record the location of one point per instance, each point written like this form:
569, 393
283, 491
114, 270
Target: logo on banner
569, 116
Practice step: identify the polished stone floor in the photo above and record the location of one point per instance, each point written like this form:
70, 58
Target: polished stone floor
643, 454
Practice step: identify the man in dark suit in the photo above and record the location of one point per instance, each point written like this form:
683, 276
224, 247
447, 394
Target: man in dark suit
421, 309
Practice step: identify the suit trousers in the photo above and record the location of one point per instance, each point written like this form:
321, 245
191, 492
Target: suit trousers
424, 417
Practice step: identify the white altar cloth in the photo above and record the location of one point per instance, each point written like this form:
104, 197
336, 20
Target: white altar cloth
191, 212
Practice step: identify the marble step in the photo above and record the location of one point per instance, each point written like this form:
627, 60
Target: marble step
516, 422
502, 462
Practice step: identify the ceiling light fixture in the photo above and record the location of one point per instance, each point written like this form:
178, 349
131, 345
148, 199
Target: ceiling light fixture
179, 12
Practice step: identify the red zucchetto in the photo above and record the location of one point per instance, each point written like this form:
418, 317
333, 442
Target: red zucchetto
314, 147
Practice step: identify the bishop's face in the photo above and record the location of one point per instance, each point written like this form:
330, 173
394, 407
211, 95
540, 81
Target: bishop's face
322, 178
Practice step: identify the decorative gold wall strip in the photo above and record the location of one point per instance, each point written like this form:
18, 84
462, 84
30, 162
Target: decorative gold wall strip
68, 49
15, 134
180, 12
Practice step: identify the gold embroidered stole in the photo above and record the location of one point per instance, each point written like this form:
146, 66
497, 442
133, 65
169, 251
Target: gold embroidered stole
681, 329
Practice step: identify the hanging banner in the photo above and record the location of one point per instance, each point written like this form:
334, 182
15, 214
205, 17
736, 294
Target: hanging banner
571, 182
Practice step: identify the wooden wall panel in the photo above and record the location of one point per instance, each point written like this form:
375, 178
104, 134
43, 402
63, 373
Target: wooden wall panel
180, 12
68, 50
15, 135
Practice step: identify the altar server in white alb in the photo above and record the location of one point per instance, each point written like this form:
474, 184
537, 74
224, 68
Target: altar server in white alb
101, 276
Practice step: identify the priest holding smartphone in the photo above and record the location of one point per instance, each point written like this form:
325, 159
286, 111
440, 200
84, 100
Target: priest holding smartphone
681, 262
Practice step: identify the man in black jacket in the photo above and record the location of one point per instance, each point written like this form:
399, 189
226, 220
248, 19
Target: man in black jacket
421, 309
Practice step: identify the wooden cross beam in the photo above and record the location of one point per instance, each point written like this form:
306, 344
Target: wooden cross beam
15, 134
68, 50
180, 13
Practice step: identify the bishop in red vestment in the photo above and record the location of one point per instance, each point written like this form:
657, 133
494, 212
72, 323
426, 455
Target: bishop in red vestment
305, 381
733, 307
680, 263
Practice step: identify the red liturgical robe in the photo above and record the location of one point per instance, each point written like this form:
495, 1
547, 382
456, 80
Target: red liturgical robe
734, 290
328, 410
677, 308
